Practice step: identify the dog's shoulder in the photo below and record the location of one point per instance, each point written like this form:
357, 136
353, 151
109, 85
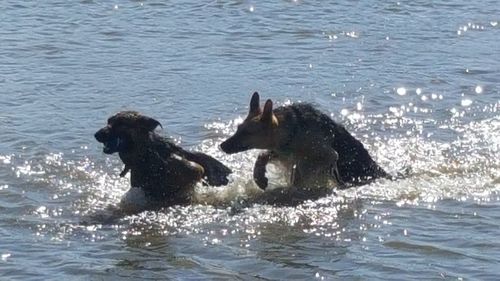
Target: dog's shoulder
164, 146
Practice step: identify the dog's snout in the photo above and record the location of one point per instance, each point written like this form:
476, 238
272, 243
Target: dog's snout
101, 135
224, 146
232, 145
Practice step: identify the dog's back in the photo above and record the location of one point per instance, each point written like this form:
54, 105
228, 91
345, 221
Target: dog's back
354, 163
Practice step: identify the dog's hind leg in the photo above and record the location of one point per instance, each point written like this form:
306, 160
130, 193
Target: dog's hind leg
317, 168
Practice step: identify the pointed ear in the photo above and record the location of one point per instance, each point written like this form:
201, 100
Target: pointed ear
255, 105
149, 123
268, 115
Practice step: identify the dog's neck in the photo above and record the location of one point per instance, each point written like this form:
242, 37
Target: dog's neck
136, 155
287, 132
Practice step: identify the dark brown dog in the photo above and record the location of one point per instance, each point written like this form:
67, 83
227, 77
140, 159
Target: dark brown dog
315, 150
166, 172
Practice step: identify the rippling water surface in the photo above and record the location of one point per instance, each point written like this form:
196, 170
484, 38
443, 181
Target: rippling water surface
416, 81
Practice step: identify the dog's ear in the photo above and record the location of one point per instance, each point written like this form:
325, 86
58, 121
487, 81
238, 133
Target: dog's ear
149, 123
255, 105
268, 115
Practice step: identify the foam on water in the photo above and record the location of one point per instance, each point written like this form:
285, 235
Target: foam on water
466, 168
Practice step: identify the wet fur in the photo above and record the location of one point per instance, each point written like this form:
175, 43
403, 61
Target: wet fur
166, 172
355, 165
313, 149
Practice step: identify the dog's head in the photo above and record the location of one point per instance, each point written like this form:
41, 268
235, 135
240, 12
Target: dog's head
124, 129
257, 131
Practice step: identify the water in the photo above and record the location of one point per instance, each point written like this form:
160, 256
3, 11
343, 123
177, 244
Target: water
416, 81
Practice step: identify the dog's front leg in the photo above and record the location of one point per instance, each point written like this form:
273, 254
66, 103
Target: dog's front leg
259, 169
334, 170
126, 169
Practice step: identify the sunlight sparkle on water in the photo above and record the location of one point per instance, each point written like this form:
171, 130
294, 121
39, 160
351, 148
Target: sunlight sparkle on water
478, 89
5, 256
401, 91
359, 106
466, 102
332, 37
352, 34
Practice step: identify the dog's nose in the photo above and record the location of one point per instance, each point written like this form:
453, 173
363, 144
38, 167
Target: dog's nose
100, 135
222, 146
228, 146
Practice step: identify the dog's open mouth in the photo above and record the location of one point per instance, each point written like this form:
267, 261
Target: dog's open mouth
114, 144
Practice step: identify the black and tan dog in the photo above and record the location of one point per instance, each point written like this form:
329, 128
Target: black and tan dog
315, 150
166, 172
